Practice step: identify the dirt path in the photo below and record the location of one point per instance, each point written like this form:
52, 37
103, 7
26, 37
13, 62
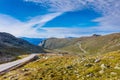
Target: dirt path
80, 46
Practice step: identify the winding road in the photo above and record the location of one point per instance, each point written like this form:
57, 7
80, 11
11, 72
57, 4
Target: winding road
80, 47
11, 65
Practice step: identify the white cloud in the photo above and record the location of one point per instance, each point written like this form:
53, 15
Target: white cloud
26, 29
60, 5
18, 28
41, 20
110, 9
105, 6
109, 22
62, 32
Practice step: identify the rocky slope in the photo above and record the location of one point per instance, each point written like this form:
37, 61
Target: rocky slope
69, 67
11, 46
91, 45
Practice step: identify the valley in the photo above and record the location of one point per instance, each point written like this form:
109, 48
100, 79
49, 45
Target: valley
90, 45
59, 39
85, 58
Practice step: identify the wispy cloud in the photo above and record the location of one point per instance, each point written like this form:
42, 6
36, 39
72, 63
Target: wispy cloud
104, 6
72, 32
109, 22
18, 28
110, 9
41, 20
60, 5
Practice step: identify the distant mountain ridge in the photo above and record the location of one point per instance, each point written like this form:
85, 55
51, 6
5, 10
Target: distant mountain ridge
34, 41
92, 45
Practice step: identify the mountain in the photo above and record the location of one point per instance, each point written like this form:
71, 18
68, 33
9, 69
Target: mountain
70, 37
34, 41
59, 66
55, 43
11, 46
95, 44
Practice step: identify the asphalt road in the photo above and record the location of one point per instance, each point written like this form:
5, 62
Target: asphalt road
9, 65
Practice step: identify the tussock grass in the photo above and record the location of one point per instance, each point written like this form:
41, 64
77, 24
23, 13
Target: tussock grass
69, 67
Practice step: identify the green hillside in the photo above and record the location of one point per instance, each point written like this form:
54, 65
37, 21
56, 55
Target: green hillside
88, 45
69, 67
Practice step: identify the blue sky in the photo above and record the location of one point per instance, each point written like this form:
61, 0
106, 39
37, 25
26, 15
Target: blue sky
59, 18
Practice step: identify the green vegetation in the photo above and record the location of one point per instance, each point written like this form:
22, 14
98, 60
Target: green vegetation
69, 67
85, 58
92, 45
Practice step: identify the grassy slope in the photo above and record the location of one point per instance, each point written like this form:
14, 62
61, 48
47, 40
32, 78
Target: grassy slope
92, 45
70, 67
